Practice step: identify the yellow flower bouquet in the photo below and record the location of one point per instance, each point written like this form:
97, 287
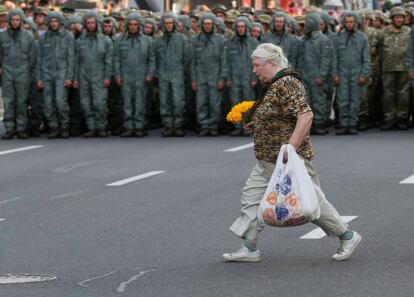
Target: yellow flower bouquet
239, 111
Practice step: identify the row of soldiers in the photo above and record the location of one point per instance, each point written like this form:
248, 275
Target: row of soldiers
72, 74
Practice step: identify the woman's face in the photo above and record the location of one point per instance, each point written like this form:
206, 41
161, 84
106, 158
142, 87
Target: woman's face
264, 71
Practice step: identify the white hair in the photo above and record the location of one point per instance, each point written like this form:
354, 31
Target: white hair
270, 52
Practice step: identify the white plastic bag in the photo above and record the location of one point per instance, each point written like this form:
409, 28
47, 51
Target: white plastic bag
290, 198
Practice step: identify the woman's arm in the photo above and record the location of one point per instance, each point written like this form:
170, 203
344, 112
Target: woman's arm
303, 125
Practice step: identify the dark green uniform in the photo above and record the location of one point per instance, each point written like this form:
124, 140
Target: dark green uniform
17, 58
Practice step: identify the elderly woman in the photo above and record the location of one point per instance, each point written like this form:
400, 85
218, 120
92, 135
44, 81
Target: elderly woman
281, 116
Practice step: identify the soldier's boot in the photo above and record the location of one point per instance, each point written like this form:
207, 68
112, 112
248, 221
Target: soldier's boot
352, 130
363, 121
140, 133
388, 127
179, 132
319, 130
116, 132
167, 132
53, 133
236, 132
89, 134
75, 132
8, 135
214, 132
102, 133
35, 133
341, 131
128, 133
22, 135
64, 133
402, 125
203, 132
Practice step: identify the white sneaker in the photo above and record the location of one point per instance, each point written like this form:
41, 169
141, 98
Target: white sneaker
346, 247
243, 255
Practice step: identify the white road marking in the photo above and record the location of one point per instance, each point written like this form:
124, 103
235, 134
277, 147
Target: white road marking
82, 283
9, 200
1, 220
409, 180
68, 195
24, 278
70, 167
239, 148
135, 178
26, 148
319, 233
122, 286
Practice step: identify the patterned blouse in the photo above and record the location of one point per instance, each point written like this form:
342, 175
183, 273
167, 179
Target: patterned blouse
274, 118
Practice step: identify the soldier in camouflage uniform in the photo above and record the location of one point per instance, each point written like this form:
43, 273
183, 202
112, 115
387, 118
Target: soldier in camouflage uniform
220, 12
265, 20
326, 27
371, 100
393, 42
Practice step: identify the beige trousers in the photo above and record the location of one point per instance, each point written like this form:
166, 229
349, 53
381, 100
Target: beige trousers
247, 226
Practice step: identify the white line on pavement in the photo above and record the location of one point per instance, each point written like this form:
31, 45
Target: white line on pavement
70, 167
82, 283
1, 220
68, 195
239, 148
319, 233
409, 180
122, 286
135, 178
26, 148
10, 200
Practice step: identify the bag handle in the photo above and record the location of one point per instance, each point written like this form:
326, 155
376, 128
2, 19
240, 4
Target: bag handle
286, 150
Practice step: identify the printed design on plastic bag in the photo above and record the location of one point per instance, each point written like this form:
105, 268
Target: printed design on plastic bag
287, 206
272, 198
269, 216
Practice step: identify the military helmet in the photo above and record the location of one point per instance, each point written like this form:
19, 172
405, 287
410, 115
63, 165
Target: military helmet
229, 18
3, 10
248, 10
194, 15
397, 10
264, 19
219, 8
369, 15
379, 15
410, 11
40, 10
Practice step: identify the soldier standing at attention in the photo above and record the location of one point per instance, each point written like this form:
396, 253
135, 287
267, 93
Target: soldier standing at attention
17, 59
94, 67
208, 70
56, 61
393, 43
352, 73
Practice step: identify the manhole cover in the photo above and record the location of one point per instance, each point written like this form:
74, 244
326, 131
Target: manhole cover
24, 278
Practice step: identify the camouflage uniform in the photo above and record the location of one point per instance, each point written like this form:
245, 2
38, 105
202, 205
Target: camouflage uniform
393, 49
371, 100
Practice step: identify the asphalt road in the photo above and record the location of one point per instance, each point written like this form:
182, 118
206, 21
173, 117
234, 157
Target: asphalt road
164, 235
